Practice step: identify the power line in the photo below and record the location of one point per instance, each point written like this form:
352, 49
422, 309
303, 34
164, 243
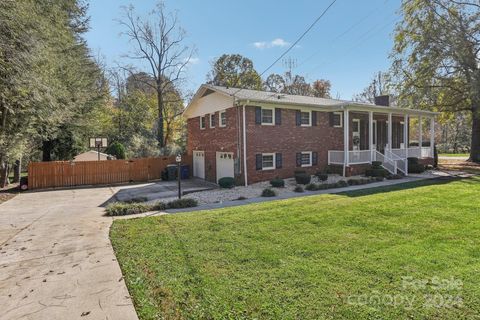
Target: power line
295, 43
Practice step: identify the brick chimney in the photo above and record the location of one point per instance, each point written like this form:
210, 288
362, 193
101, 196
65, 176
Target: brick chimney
382, 100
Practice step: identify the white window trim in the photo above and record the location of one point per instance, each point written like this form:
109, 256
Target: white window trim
273, 162
220, 119
310, 154
205, 123
210, 117
357, 121
309, 118
341, 120
273, 116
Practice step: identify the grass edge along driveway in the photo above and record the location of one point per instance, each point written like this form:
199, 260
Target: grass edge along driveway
358, 255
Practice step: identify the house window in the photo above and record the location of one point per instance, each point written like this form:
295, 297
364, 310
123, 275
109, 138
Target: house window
202, 122
268, 161
306, 159
223, 119
305, 118
267, 116
337, 119
212, 120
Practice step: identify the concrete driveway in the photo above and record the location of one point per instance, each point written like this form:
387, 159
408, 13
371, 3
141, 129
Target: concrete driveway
56, 260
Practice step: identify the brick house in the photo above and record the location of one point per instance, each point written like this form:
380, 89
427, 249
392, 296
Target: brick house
256, 136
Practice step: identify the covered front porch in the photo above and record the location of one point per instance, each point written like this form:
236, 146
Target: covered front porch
389, 137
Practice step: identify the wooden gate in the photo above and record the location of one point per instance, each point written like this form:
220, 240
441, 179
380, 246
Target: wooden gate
70, 173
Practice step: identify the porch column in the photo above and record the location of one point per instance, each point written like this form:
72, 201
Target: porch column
370, 134
390, 131
420, 136
405, 134
432, 136
406, 143
346, 140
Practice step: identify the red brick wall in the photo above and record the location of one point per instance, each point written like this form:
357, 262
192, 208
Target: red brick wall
288, 139
210, 140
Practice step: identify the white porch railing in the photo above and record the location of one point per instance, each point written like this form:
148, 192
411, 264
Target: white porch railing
401, 162
417, 152
354, 157
387, 163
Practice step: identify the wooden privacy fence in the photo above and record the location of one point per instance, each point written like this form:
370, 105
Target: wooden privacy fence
69, 173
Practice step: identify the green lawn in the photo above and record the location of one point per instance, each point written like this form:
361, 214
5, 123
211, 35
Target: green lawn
464, 155
320, 257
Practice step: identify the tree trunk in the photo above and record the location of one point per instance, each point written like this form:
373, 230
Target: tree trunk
3, 175
47, 147
17, 169
475, 146
160, 119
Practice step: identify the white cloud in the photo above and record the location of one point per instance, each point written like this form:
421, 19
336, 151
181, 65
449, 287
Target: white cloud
192, 60
278, 42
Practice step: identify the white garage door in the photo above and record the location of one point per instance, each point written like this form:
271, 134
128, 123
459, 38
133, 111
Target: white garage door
199, 164
224, 165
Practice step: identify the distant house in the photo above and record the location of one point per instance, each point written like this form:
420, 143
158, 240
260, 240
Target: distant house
93, 156
256, 136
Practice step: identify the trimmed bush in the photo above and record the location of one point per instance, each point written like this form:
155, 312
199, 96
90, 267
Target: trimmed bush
137, 200
377, 164
277, 183
226, 182
394, 177
376, 172
322, 176
342, 184
182, 203
412, 160
416, 168
122, 208
311, 187
298, 189
267, 192
302, 178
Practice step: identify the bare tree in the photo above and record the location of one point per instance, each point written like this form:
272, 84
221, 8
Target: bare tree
158, 40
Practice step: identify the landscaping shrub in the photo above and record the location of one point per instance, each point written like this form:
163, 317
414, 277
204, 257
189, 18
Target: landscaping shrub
182, 203
376, 172
302, 178
298, 189
241, 198
342, 184
267, 192
226, 182
116, 149
159, 206
416, 168
322, 176
376, 164
394, 177
277, 183
122, 208
137, 200
311, 187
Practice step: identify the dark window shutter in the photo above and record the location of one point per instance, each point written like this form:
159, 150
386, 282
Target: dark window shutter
258, 115
298, 117
314, 118
299, 159
278, 160
258, 161
331, 116
314, 158
278, 116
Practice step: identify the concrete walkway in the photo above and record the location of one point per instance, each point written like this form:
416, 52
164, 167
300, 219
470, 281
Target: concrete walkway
56, 260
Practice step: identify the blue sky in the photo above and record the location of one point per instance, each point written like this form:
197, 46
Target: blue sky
347, 46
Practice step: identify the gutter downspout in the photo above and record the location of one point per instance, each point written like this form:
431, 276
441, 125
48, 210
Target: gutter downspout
244, 147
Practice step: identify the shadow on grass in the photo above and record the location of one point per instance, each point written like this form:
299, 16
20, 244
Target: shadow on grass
401, 186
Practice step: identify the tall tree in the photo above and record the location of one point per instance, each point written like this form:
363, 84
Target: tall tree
379, 85
159, 41
321, 88
274, 83
234, 70
436, 57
